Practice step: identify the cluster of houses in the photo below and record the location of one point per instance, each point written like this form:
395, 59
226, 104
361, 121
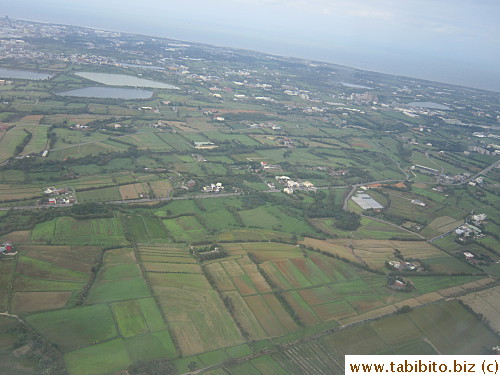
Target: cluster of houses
477, 219
477, 181
405, 266
7, 248
58, 196
213, 188
291, 185
285, 141
205, 145
476, 259
265, 125
457, 179
445, 179
467, 231
79, 127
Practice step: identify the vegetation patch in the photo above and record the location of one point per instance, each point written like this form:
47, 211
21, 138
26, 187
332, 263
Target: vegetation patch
74, 328
108, 357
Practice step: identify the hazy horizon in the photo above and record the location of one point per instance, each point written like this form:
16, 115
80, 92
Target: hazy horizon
451, 41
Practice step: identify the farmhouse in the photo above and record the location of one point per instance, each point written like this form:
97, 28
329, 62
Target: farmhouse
478, 219
204, 145
213, 188
7, 248
406, 266
308, 185
468, 230
282, 179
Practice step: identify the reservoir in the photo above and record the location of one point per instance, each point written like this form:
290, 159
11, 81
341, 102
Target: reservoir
108, 93
124, 80
430, 105
354, 86
23, 74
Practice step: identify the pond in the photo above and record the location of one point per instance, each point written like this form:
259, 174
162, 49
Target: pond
23, 74
430, 105
124, 80
108, 93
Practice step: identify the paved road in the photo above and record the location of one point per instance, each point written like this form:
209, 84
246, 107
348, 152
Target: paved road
445, 234
99, 140
483, 172
198, 196
395, 225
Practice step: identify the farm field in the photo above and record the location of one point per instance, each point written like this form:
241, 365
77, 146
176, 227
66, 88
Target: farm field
191, 307
185, 229
99, 195
14, 192
47, 277
374, 253
280, 266
120, 319
119, 279
68, 231
486, 303
413, 333
369, 229
9, 140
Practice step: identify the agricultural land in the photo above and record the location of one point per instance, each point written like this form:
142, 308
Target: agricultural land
232, 212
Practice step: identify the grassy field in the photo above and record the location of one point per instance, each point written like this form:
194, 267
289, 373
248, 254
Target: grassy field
121, 321
190, 305
99, 195
112, 291
273, 217
104, 358
48, 277
374, 253
6, 272
119, 279
486, 302
412, 333
9, 140
74, 328
369, 229
68, 231
185, 229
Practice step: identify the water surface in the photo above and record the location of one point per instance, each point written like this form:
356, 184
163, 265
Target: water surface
23, 74
430, 105
124, 80
355, 86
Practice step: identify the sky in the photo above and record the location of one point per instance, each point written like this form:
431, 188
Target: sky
451, 41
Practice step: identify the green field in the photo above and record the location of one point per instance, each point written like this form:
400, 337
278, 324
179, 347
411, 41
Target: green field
185, 229
130, 272
74, 328
103, 358
68, 231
